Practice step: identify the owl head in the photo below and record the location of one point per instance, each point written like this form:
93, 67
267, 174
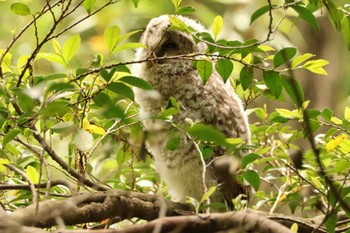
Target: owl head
162, 41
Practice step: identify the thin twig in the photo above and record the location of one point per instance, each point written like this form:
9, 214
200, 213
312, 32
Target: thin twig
30, 183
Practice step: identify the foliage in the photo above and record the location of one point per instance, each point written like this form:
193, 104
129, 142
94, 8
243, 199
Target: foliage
77, 119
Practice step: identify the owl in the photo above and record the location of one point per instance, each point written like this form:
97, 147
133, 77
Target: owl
214, 103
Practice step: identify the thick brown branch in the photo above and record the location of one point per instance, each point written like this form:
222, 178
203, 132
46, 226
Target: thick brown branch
95, 207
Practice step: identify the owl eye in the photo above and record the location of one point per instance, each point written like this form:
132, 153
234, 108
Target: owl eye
169, 45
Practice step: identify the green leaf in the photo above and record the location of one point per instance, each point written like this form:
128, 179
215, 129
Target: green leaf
217, 26
259, 12
9, 136
174, 140
107, 76
20, 9
207, 133
53, 57
83, 139
122, 68
327, 114
294, 90
300, 59
136, 3
60, 86
63, 127
224, 67
208, 194
331, 222
306, 15
176, 3
56, 46
347, 113
246, 77
252, 178
127, 35
294, 228
111, 37
4, 161
128, 46
88, 5
316, 66
273, 82
185, 10
136, 82
121, 89
32, 174
248, 159
70, 47
102, 99
283, 56
335, 13
205, 69
177, 24
345, 28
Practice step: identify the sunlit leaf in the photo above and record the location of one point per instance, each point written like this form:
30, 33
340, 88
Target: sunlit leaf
316, 182
217, 26
347, 113
316, 66
56, 46
205, 69
252, 178
208, 194
83, 139
111, 37
176, 3
178, 25
70, 47
4, 161
32, 174
274, 82
334, 142
336, 120
294, 227
283, 56
20, 9
300, 59
224, 67
93, 128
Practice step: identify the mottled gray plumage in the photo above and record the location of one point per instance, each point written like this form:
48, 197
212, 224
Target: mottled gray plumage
214, 103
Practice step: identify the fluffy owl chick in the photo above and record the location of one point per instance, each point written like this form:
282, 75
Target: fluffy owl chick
214, 103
